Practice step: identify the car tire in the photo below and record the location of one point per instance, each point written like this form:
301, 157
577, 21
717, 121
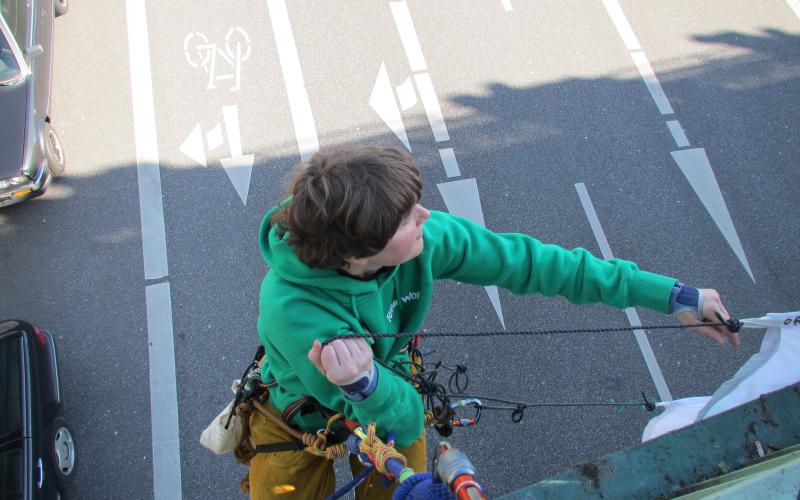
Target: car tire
53, 151
62, 452
61, 7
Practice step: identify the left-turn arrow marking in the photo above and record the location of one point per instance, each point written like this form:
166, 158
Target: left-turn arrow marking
193, 146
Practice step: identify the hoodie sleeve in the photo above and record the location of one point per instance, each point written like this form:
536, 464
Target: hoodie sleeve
467, 252
394, 405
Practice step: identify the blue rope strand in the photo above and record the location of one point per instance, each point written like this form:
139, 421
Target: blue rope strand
352, 484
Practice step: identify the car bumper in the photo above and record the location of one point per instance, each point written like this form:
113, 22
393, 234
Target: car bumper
36, 187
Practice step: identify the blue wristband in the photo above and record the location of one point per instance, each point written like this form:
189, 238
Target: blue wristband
685, 298
361, 388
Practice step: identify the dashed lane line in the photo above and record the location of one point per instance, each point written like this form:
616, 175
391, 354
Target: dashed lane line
677, 133
693, 163
630, 312
460, 196
651, 82
161, 349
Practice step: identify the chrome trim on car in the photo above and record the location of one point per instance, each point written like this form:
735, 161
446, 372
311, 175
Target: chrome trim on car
40, 482
37, 185
52, 346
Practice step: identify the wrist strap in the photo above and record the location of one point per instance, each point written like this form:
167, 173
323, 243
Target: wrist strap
361, 388
686, 298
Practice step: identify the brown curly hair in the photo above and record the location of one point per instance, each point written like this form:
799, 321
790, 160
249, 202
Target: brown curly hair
348, 203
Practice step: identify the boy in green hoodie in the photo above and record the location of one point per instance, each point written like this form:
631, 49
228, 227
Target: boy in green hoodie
352, 251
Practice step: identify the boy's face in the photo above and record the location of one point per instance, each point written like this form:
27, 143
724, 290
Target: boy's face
406, 243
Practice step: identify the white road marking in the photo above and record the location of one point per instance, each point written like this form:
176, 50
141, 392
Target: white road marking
795, 6
408, 35
693, 163
238, 166
697, 169
406, 94
630, 312
651, 81
383, 102
163, 394
623, 26
462, 199
507, 5
154, 241
214, 137
163, 389
236, 50
450, 163
304, 126
431, 103
677, 133
193, 146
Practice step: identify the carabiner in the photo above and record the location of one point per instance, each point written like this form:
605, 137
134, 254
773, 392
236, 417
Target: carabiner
463, 422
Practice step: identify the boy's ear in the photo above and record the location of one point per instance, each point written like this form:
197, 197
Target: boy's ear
356, 261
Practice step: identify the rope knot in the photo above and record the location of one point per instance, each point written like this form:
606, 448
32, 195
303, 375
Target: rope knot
518, 413
380, 452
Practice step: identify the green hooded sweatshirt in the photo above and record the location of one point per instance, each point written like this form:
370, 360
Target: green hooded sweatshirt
299, 304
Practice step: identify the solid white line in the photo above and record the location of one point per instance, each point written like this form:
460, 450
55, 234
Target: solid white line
431, 103
408, 35
151, 208
623, 26
633, 317
304, 127
163, 390
677, 133
795, 5
649, 77
163, 394
450, 163
507, 5
649, 356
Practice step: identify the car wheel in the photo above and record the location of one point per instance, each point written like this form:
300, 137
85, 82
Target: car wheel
62, 6
53, 151
62, 448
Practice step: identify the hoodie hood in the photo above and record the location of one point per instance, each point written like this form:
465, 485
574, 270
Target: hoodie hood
283, 260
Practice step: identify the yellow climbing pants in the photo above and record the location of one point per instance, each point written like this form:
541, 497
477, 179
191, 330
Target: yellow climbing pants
286, 475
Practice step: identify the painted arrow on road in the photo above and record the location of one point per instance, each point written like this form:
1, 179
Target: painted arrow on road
383, 102
697, 169
462, 199
238, 166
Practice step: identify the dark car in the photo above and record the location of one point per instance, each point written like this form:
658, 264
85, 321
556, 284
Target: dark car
30, 152
37, 447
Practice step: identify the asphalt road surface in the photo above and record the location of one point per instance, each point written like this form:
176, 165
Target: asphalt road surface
660, 132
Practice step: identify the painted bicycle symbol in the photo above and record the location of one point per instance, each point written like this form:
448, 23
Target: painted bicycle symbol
219, 62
